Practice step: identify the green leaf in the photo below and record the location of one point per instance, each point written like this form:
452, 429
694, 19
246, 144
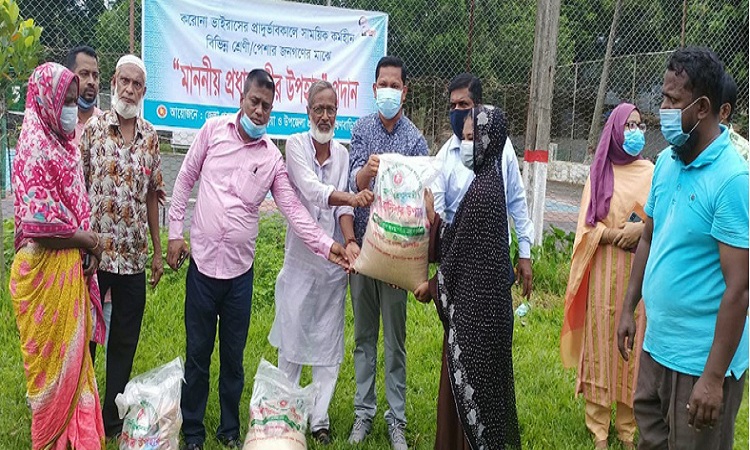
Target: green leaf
29, 41
13, 10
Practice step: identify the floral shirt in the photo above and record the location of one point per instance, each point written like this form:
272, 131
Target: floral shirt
119, 176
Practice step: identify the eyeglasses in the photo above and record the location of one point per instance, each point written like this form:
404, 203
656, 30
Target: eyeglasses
319, 110
632, 126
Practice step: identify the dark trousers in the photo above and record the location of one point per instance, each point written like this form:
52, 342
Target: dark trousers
207, 299
128, 304
660, 406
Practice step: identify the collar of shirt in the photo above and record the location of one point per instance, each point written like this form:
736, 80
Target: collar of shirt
114, 121
395, 127
315, 152
454, 143
710, 153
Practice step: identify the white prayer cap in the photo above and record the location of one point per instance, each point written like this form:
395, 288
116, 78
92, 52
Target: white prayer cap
132, 59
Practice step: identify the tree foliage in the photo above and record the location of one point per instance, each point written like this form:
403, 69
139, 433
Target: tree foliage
19, 45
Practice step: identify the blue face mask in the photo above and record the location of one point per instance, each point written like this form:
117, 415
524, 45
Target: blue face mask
252, 130
84, 105
635, 140
671, 125
458, 116
388, 101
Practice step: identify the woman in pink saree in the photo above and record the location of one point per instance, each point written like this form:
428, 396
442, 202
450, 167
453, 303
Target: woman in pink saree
55, 298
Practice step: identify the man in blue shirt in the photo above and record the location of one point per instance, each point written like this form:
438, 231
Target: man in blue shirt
691, 268
465, 91
387, 131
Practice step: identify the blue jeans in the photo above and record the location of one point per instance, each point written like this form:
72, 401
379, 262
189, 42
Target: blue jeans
207, 299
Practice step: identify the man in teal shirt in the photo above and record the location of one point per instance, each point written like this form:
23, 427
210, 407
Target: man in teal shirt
691, 268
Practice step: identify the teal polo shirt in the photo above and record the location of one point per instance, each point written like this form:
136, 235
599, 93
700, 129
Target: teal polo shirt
694, 207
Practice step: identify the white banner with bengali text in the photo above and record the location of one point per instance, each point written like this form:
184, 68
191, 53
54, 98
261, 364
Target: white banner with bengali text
198, 54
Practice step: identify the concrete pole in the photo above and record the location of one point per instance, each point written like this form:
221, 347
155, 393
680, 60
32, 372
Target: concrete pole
132, 26
537, 145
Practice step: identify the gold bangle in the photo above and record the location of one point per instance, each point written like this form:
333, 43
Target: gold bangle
97, 242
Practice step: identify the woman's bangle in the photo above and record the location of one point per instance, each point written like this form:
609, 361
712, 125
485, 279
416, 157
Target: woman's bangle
97, 243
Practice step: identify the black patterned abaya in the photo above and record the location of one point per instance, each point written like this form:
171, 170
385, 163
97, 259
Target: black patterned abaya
473, 299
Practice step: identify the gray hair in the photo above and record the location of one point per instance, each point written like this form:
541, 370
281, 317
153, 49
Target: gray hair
318, 87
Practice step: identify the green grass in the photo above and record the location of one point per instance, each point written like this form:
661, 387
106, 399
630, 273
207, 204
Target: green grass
550, 416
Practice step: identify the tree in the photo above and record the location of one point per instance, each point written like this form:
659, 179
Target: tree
66, 23
596, 119
19, 51
112, 32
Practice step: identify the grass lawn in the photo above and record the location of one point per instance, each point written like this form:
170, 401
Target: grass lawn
549, 415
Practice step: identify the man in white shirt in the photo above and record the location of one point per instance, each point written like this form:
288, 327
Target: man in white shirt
310, 293
465, 91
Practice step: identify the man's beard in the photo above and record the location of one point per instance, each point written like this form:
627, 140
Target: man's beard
689, 145
126, 110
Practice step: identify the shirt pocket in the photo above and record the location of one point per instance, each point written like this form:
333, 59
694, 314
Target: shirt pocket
247, 186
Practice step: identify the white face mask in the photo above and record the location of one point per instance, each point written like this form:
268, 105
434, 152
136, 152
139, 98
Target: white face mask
320, 136
467, 154
124, 109
69, 118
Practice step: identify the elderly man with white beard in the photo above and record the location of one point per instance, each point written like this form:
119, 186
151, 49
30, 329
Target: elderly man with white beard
310, 292
122, 169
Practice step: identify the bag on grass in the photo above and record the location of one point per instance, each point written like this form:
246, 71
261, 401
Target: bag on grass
150, 408
279, 411
397, 239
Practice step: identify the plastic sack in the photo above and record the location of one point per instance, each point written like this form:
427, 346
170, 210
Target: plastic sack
397, 239
279, 410
150, 408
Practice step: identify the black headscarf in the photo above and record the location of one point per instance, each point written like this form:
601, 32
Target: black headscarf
474, 299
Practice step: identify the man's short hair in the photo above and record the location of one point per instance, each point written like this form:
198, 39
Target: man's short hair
260, 78
70, 58
729, 94
704, 71
391, 61
318, 87
467, 80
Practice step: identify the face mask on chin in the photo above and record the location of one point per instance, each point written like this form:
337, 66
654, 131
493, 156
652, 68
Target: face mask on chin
85, 105
250, 127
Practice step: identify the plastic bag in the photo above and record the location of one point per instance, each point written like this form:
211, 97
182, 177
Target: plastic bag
279, 411
397, 240
150, 407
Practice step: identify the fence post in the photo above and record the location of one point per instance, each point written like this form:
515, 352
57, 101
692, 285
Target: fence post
132, 27
539, 118
632, 91
575, 91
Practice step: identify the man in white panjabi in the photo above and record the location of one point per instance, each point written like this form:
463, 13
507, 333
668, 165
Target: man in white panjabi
310, 293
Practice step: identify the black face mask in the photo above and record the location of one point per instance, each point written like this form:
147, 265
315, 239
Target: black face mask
457, 117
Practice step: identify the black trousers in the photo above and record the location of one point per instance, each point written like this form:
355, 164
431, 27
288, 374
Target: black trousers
128, 304
210, 302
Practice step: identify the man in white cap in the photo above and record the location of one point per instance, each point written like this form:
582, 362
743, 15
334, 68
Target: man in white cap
122, 168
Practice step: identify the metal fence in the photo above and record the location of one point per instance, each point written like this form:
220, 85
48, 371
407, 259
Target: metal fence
494, 39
